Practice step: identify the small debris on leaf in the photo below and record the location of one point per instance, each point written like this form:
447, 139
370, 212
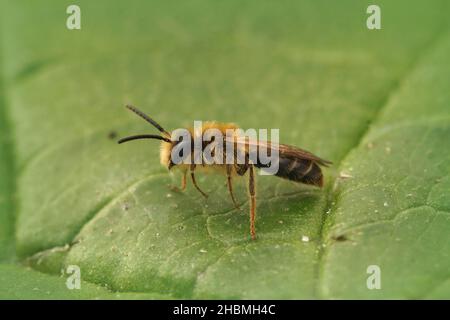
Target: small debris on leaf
345, 175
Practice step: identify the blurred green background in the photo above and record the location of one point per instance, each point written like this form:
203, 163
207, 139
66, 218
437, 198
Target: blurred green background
375, 102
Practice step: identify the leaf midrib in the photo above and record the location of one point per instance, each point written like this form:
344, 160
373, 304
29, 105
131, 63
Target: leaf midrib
331, 206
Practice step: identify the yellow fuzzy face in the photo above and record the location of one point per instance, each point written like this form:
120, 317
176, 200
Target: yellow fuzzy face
164, 154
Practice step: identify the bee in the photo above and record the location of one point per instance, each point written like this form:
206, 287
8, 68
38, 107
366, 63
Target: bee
294, 164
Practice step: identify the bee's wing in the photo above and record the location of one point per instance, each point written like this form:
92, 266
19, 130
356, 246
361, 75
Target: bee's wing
285, 151
294, 152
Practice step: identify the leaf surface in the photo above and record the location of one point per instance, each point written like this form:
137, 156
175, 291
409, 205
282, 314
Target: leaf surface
376, 103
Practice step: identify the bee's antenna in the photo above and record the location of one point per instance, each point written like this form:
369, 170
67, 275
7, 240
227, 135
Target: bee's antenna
148, 119
143, 136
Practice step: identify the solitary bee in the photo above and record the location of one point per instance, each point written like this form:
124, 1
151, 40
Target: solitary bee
294, 163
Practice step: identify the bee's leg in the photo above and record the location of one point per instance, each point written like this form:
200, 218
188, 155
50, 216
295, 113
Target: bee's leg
252, 192
241, 169
195, 182
183, 183
230, 186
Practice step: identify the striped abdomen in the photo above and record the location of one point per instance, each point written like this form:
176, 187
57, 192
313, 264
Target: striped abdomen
299, 170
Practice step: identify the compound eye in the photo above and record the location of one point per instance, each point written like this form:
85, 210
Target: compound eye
181, 153
179, 145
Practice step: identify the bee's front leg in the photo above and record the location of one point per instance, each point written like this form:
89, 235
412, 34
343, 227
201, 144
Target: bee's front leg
183, 183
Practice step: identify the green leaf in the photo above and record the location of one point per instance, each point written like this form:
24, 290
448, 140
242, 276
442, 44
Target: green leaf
25, 283
395, 212
7, 185
375, 102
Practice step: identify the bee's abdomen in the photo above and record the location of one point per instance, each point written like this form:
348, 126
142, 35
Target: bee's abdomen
300, 170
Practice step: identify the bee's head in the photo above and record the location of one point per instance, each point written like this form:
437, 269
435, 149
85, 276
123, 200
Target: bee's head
165, 154
175, 152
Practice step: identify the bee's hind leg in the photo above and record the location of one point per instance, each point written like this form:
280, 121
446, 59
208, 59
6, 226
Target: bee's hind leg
241, 169
252, 193
230, 186
195, 182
